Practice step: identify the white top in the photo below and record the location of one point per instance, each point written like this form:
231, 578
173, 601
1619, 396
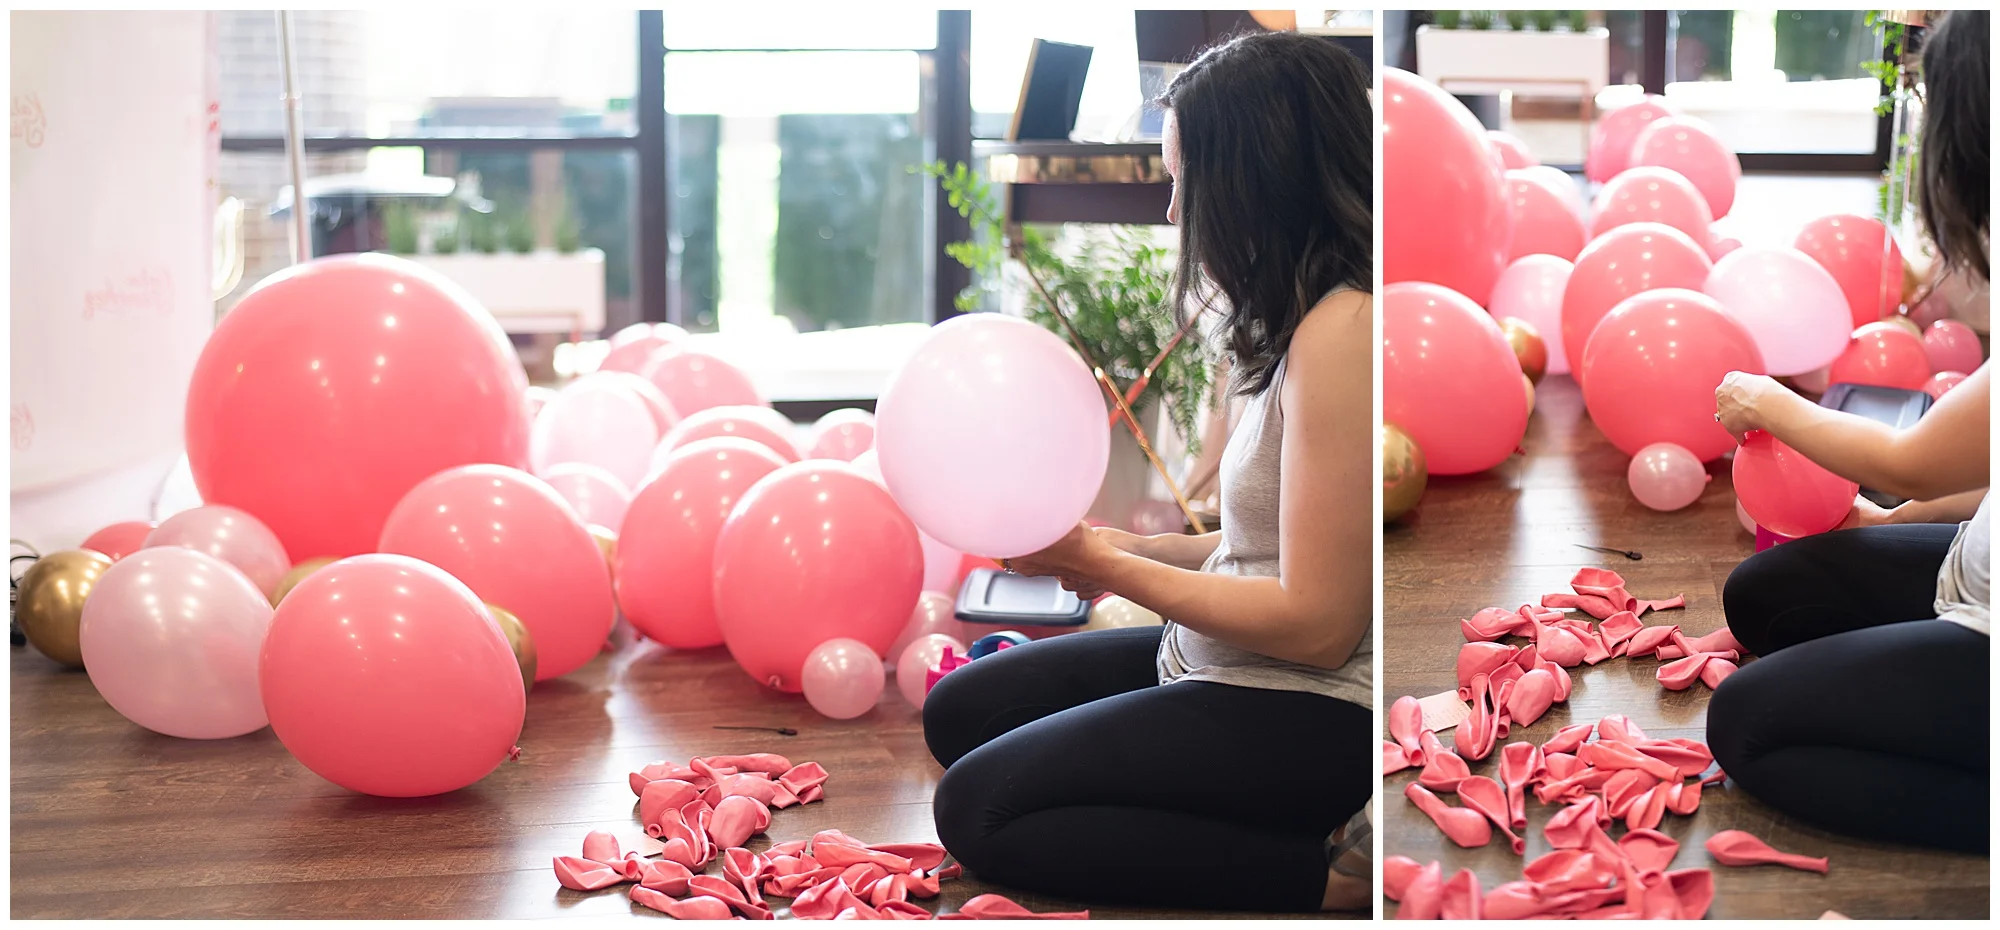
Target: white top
1965, 583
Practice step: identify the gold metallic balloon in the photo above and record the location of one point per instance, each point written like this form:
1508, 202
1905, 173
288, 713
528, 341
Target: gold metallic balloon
1907, 324
1528, 384
48, 604
520, 641
298, 573
1403, 472
1529, 349
1114, 613
607, 545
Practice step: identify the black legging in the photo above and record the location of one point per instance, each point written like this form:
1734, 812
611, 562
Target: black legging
1864, 714
1072, 771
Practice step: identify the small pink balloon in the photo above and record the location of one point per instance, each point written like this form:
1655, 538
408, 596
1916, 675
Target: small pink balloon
1785, 492
1651, 195
597, 421
231, 535
1743, 518
1611, 139
597, 496
664, 416
1155, 518
1952, 346
1513, 152
1543, 221
120, 539
936, 612
1943, 381
693, 380
842, 434
1665, 476
1885, 355
918, 658
731, 421
170, 638
1691, 147
842, 678
1531, 290
1791, 305
633, 345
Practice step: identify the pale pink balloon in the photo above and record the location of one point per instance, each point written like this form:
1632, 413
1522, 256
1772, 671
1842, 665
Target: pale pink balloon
1155, 517
1952, 346
1650, 195
1543, 221
1665, 476
942, 564
597, 496
1813, 382
1531, 290
917, 659
599, 422
870, 467
993, 436
171, 636
1743, 519
1691, 147
633, 345
1943, 381
1719, 246
664, 415
842, 434
1611, 139
843, 678
538, 397
231, 535
1513, 152
693, 380
936, 612
732, 421
1793, 308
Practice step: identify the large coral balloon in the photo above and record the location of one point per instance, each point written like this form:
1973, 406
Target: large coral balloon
1449, 379
1629, 260
1446, 218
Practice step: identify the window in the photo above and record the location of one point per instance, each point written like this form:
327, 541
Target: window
1000, 45
1777, 80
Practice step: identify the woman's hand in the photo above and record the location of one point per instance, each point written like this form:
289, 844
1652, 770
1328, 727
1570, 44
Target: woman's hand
1075, 559
1739, 401
1865, 513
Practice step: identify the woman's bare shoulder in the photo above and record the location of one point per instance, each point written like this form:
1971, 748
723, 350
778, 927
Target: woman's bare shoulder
1342, 323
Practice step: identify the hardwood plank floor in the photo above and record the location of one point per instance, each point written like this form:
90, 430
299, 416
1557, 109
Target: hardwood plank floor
110, 821
1507, 537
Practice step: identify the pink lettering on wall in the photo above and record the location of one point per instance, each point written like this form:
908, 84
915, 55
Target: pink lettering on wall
21, 428
146, 291
27, 121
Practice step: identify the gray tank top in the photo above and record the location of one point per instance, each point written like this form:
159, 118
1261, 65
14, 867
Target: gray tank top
1964, 589
1249, 546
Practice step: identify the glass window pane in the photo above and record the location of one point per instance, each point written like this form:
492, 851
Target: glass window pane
727, 26
1000, 45
1777, 80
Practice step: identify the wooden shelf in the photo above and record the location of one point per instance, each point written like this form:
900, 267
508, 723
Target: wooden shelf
1079, 182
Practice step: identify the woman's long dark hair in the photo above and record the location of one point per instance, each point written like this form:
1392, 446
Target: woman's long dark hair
1276, 187
1953, 165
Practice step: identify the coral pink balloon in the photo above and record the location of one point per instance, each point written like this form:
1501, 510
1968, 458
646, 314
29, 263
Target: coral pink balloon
1543, 221
1883, 354
664, 415
1611, 139
1651, 367
334, 386
842, 434
694, 381
1664, 476
1449, 379
231, 535
1943, 381
936, 612
813, 552
1650, 195
1951, 346
842, 678
665, 562
1531, 290
170, 638
1626, 261
1565, 186
597, 496
943, 565
1852, 249
598, 422
992, 436
1447, 219
386, 676
632, 346
509, 537
119, 539
1690, 146
1513, 152
733, 421
917, 659
1785, 492
1791, 306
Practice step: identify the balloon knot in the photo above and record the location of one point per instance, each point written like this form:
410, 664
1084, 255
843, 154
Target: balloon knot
776, 681
514, 754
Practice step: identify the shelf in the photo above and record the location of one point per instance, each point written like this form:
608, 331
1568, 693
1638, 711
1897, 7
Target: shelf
1079, 182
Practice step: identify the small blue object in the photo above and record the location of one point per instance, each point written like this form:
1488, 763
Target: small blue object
994, 642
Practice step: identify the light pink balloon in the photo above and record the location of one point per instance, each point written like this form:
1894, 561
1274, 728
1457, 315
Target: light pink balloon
917, 659
1792, 307
1531, 290
538, 397
596, 495
1543, 221
993, 436
231, 535
1720, 245
843, 678
867, 464
1691, 147
633, 345
1513, 152
1952, 346
842, 434
1665, 476
170, 638
936, 612
693, 380
599, 422
1611, 139
1943, 381
1743, 519
664, 415
1813, 382
941, 562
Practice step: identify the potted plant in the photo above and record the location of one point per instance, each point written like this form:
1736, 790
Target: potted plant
1479, 19
1517, 20
520, 233
1543, 20
399, 228
493, 256
1579, 20
1483, 60
1447, 19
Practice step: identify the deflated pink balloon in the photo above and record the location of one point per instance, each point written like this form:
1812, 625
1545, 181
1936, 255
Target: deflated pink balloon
842, 434
1664, 476
1792, 307
1467, 828
1629, 260
1735, 847
717, 422
1691, 147
1952, 346
1544, 223
1650, 195
1611, 139
992, 436
842, 678
1651, 366
693, 380
1449, 379
1885, 355
1446, 218
597, 496
919, 657
665, 560
1785, 492
1936, 387
170, 637
596, 421
231, 535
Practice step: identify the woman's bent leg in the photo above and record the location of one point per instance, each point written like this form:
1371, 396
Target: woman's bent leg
1025, 683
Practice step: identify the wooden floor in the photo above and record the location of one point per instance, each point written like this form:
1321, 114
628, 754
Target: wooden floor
1505, 538
110, 821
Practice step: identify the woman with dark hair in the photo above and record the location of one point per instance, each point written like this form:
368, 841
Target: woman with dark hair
1225, 760
1867, 711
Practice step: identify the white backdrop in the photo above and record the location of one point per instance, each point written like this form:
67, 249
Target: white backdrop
114, 148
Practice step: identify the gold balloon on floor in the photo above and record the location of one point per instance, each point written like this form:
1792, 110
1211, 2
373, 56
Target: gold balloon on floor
519, 640
607, 545
1904, 323
298, 573
1529, 349
1528, 384
48, 603
1403, 472
1117, 613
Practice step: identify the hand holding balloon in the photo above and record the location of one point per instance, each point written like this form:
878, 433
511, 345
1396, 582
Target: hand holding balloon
1076, 559
1741, 399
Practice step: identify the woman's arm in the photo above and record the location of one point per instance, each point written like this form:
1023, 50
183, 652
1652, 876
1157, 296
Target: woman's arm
1945, 453
1177, 549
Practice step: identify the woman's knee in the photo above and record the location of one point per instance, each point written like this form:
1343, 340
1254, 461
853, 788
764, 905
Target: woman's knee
959, 809
1755, 593
1733, 735
951, 716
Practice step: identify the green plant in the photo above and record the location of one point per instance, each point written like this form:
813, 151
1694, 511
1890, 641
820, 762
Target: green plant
1112, 282
399, 228
1517, 20
1544, 20
520, 232
1889, 34
482, 232
1448, 19
1579, 20
1479, 19
446, 242
569, 235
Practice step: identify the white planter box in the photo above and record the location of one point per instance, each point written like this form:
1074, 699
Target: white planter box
541, 292
1485, 61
